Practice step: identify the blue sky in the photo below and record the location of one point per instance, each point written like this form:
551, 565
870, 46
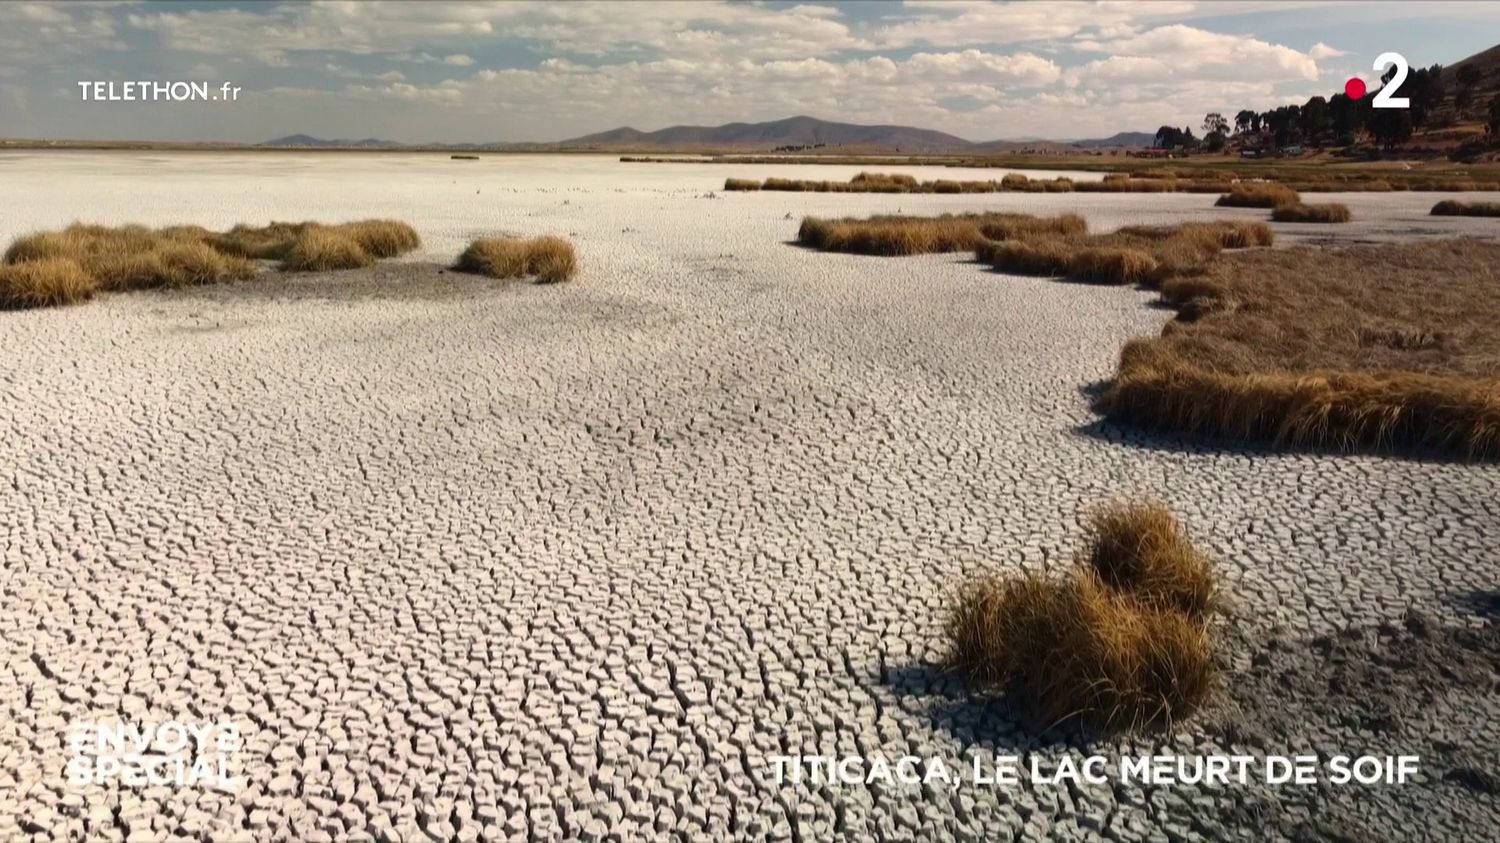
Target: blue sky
551, 70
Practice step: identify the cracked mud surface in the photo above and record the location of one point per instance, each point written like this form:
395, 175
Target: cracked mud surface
477, 560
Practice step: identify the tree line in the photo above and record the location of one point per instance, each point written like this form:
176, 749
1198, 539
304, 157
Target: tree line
1341, 120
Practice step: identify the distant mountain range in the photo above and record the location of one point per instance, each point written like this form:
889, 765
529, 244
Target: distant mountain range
1133, 139
310, 141
791, 134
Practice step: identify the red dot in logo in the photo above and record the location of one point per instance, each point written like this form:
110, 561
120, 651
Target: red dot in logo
1354, 88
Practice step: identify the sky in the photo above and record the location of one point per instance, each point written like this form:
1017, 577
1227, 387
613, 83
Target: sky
540, 71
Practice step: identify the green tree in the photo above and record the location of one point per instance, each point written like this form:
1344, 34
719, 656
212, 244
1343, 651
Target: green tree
1468, 80
1283, 124
1313, 119
1391, 126
1437, 85
1171, 137
1215, 131
1345, 116
1415, 90
1245, 120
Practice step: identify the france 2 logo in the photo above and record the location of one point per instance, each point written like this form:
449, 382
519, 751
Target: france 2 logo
1386, 96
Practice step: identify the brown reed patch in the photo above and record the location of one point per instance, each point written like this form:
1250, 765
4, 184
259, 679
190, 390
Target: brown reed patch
45, 282
1299, 212
1146, 255
909, 235
322, 249
1258, 195
1451, 208
1118, 642
549, 259
1390, 348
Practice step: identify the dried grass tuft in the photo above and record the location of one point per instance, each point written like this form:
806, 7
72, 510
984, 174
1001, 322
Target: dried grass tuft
1372, 348
550, 259
1120, 642
326, 249
1258, 195
1331, 212
906, 235
1451, 208
45, 282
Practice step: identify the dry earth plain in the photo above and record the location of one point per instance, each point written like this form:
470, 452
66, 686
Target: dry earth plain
467, 559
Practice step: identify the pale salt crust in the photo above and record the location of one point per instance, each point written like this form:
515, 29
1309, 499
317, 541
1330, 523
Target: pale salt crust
477, 560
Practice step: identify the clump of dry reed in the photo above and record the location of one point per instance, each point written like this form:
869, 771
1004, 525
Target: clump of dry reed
549, 259
1389, 348
1119, 642
322, 250
908, 235
1146, 255
45, 282
1258, 195
1451, 208
135, 257
1299, 212
1013, 182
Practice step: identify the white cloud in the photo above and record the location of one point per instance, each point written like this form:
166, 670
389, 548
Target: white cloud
1179, 52
977, 22
41, 32
978, 69
1019, 68
585, 28
1321, 51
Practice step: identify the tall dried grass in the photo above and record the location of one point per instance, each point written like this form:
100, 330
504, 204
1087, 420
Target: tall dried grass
1451, 208
268, 242
1390, 348
1146, 255
1258, 195
1046, 256
1299, 212
1021, 226
382, 238
881, 180
907, 235
135, 257
1107, 265
45, 282
1013, 182
1141, 548
550, 259
1119, 642
278, 240
325, 249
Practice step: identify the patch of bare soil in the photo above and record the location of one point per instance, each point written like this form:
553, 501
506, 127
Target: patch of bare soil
1414, 688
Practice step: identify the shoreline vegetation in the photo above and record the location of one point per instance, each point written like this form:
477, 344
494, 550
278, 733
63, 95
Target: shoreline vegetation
54, 268
1306, 176
1385, 349
1388, 348
1143, 181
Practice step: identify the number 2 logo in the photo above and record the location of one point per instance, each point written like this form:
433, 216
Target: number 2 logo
1385, 97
